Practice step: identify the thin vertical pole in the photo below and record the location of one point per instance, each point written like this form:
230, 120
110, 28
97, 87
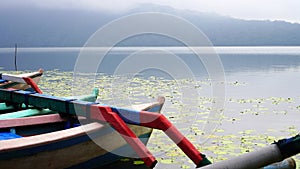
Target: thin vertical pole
16, 47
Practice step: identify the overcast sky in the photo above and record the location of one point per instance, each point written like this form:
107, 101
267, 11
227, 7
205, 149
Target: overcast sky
288, 10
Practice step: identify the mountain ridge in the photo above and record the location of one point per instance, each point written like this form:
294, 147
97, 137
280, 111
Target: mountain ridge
65, 28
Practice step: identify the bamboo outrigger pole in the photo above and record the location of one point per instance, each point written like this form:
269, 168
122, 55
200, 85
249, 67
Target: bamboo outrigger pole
273, 153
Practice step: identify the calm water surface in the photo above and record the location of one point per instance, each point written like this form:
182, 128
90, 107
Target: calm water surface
262, 89
267, 71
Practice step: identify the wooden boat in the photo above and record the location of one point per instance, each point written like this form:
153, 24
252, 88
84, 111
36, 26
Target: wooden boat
17, 81
117, 118
133, 126
80, 136
59, 141
47, 142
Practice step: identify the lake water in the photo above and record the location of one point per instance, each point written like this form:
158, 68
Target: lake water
270, 71
262, 96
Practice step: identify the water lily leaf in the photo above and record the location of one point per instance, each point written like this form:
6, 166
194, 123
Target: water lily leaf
138, 162
124, 159
166, 161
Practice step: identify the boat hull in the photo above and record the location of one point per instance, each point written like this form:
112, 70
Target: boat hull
90, 145
93, 150
35, 76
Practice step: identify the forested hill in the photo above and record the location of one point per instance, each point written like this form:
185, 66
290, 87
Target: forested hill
64, 28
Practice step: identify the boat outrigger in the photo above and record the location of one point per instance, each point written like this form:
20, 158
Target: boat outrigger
23, 148
76, 134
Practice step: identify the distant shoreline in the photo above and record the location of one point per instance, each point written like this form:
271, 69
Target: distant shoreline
175, 49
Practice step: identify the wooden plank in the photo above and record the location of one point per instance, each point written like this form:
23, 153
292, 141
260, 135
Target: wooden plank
32, 141
5, 109
58, 104
34, 120
25, 113
15, 117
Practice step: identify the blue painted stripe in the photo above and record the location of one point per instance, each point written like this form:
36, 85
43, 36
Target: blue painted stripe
132, 116
128, 115
23, 99
8, 136
2, 80
154, 109
67, 104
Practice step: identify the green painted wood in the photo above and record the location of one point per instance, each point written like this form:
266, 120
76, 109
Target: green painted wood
26, 113
88, 98
19, 99
5, 95
10, 108
4, 107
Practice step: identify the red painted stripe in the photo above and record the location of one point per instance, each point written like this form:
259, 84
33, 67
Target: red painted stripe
147, 119
30, 82
106, 114
96, 114
174, 134
154, 120
190, 150
159, 121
